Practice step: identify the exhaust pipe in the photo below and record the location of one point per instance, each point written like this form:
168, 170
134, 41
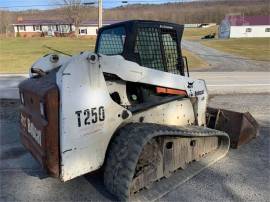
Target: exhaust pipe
241, 127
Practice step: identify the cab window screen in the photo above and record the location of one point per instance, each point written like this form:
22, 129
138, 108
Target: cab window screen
148, 46
170, 50
111, 41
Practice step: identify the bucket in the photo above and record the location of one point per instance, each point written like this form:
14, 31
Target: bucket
241, 127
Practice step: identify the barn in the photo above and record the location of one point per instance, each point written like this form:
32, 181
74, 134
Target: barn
244, 26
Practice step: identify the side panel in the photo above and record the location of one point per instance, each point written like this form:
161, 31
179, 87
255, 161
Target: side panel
130, 71
88, 117
179, 112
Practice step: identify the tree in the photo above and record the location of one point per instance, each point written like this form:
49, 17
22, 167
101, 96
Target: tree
5, 22
74, 12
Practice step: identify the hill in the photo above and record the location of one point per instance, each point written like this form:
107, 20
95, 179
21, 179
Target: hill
189, 12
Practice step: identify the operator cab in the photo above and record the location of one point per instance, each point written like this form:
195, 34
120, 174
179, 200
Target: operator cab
151, 44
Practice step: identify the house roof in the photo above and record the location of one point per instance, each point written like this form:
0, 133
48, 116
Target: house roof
95, 22
248, 20
41, 22
56, 22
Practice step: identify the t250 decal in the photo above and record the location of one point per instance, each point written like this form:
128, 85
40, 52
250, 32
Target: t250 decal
90, 116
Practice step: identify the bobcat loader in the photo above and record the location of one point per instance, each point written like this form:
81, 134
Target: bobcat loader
129, 108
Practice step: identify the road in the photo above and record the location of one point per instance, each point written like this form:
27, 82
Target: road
243, 175
235, 82
9, 85
217, 82
224, 62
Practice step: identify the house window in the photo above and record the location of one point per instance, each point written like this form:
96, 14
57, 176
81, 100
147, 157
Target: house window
36, 28
64, 28
83, 31
21, 28
52, 28
267, 29
248, 30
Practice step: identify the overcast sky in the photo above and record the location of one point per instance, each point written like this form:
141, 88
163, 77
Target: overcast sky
45, 4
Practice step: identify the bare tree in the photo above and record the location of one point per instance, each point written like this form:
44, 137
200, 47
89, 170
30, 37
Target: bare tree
5, 22
74, 12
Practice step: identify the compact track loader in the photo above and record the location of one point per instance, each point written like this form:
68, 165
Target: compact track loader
129, 108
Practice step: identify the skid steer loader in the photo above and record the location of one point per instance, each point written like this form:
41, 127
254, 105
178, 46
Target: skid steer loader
129, 108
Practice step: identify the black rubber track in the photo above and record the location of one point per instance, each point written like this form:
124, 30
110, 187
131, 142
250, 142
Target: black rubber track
125, 149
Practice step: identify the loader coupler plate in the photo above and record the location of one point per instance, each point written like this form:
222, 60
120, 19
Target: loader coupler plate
241, 127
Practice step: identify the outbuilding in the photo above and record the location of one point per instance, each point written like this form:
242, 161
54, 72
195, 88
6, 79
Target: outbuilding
244, 26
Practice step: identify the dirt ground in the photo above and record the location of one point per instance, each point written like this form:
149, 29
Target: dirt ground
243, 175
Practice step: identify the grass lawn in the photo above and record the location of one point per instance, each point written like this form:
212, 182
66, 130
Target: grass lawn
253, 48
18, 54
198, 33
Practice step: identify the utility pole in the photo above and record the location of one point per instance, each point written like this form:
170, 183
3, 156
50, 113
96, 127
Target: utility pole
100, 13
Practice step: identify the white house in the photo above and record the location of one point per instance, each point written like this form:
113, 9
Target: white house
90, 27
244, 26
30, 28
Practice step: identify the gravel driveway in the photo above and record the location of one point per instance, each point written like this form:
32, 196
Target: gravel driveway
220, 61
243, 175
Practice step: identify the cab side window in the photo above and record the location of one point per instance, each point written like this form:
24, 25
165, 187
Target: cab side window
149, 49
111, 41
157, 49
170, 50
